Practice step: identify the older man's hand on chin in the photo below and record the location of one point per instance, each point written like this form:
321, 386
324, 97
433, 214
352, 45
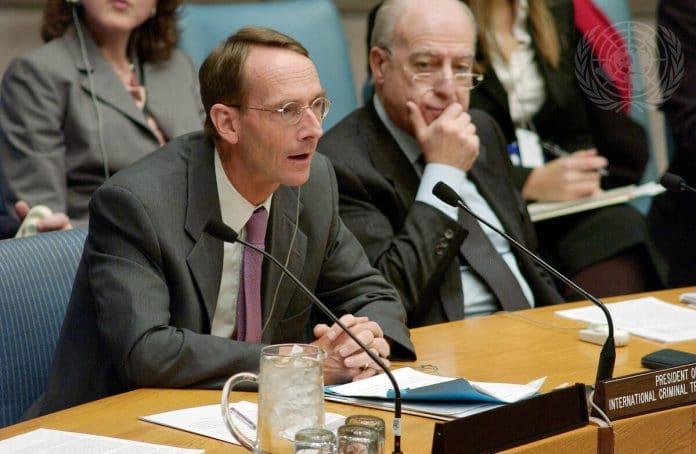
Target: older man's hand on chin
449, 139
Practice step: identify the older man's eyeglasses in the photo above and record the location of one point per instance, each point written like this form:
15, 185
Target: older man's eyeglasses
292, 112
465, 81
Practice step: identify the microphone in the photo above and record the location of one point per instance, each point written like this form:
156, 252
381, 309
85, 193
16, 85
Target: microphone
221, 231
675, 183
607, 356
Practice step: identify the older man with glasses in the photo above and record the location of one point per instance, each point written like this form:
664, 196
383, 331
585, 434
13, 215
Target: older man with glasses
158, 301
415, 132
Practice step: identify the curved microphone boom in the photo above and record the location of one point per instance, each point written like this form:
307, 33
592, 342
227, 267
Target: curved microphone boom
607, 356
223, 232
675, 183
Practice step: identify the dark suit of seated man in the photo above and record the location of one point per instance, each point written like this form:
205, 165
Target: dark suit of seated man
415, 132
154, 303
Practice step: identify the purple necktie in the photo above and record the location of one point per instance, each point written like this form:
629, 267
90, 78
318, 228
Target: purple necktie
249, 300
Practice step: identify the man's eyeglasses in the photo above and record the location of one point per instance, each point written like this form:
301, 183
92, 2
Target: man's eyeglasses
292, 112
465, 81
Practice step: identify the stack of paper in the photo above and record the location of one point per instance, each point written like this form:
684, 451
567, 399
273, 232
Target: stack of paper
431, 395
207, 420
646, 317
546, 210
50, 441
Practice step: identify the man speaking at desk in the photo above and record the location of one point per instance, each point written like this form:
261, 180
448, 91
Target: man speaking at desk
415, 132
158, 302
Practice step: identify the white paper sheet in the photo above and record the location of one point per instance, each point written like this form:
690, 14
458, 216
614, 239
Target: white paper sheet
48, 441
207, 420
379, 385
646, 317
409, 378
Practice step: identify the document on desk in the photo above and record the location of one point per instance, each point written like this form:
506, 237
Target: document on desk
48, 441
539, 211
431, 395
645, 317
207, 420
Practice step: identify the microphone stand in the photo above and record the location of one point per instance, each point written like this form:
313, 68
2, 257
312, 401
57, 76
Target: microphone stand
225, 233
607, 356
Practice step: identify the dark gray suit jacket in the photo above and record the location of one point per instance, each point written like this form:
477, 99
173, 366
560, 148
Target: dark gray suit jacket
49, 141
415, 245
147, 285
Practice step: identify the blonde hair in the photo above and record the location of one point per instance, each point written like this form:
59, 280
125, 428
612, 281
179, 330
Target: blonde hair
543, 30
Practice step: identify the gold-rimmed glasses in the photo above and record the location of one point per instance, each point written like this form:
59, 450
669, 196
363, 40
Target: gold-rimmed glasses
291, 112
465, 81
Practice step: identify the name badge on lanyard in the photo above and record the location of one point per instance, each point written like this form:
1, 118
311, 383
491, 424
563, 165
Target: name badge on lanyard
531, 153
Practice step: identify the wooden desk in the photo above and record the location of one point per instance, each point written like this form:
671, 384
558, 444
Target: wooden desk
506, 347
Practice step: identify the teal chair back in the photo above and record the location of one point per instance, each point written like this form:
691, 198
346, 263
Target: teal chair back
314, 23
36, 277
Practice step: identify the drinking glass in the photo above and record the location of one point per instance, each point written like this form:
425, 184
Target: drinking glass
373, 422
291, 396
315, 441
357, 440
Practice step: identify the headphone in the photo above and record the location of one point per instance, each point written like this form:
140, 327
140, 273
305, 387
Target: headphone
90, 80
287, 260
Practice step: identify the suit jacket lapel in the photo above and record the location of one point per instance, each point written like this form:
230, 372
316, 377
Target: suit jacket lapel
205, 259
276, 289
391, 162
388, 158
499, 197
492, 85
108, 88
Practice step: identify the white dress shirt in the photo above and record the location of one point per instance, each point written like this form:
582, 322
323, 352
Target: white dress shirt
520, 76
236, 211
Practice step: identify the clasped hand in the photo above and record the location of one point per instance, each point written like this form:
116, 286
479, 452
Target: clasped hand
345, 360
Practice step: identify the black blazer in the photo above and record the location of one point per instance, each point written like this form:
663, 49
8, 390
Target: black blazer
574, 242
568, 118
413, 244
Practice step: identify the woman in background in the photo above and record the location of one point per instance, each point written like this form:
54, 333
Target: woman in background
526, 52
107, 88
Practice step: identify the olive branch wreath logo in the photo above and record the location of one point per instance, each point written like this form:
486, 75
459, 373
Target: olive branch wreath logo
654, 92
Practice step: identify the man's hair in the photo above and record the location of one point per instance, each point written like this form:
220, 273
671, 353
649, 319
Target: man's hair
152, 41
222, 76
388, 15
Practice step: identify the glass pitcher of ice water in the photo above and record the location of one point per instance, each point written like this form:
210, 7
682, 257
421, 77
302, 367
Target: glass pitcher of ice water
291, 397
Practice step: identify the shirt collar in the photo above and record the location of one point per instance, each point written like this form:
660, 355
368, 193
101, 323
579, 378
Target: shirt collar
234, 208
407, 143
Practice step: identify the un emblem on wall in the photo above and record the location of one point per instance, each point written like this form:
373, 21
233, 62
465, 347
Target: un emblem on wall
657, 58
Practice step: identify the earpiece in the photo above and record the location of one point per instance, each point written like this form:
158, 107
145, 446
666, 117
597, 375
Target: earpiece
90, 80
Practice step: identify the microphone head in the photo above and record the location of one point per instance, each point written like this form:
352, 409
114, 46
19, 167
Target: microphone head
446, 194
221, 231
672, 182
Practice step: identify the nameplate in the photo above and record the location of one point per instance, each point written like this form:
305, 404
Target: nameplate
513, 424
646, 392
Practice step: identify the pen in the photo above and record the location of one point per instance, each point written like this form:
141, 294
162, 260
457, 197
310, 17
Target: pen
558, 151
